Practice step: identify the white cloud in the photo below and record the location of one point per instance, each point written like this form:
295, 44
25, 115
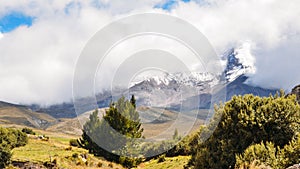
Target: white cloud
272, 25
37, 63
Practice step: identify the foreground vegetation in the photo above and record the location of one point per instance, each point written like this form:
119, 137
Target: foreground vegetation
247, 132
56, 152
248, 129
10, 139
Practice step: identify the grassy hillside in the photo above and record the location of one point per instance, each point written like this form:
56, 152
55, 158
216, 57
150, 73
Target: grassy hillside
40, 151
21, 115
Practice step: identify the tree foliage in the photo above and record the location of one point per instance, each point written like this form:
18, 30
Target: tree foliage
28, 131
269, 155
247, 120
115, 133
9, 139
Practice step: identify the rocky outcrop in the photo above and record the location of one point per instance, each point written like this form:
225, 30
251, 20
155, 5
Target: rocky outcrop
296, 91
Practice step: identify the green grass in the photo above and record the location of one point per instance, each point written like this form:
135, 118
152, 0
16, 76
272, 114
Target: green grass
40, 151
170, 163
56, 148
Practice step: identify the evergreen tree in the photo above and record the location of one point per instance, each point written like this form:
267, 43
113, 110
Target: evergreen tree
132, 101
89, 129
115, 133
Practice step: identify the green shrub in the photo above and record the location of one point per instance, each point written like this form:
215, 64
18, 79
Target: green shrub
186, 146
5, 155
161, 158
244, 121
261, 154
291, 153
28, 131
74, 143
100, 164
9, 139
267, 154
130, 162
75, 155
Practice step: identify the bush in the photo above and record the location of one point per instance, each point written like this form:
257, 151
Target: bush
74, 143
154, 150
28, 131
261, 154
75, 155
9, 139
244, 121
100, 164
267, 154
186, 146
68, 148
130, 162
5, 155
161, 158
291, 153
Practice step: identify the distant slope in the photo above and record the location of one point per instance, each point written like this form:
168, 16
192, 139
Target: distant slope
22, 115
154, 121
73, 125
239, 87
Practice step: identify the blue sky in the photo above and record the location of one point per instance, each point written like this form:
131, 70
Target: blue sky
169, 4
11, 21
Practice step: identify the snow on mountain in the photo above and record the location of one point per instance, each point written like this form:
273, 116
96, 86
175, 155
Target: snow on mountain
240, 61
200, 80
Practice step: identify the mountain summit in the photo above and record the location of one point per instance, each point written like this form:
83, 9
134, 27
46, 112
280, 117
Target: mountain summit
239, 61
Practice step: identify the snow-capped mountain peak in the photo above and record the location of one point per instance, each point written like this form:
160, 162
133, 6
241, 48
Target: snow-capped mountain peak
194, 79
240, 61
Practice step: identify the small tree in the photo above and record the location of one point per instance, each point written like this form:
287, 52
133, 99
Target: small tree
118, 129
133, 101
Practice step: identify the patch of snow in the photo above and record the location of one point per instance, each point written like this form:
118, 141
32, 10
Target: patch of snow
243, 53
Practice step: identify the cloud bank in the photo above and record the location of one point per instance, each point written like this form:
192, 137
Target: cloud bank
37, 62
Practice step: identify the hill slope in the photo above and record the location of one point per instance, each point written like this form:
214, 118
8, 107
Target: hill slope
22, 115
